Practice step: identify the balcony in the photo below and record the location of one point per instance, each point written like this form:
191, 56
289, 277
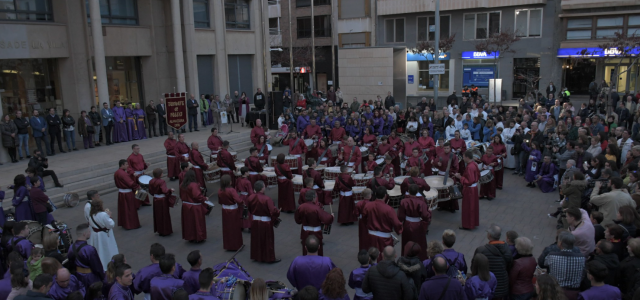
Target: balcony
584, 4
275, 40
274, 8
392, 7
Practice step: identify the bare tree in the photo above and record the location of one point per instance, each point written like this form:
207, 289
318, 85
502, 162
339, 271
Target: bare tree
497, 45
530, 81
426, 48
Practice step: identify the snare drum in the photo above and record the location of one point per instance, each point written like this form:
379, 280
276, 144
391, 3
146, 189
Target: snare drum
272, 179
380, 161
357, 193
235, 291
71, 199
234, 155
239, 165
144, 181
400, 179
141, 194
364, 151
269, 169
498, 167
297, 183
485, 176
435, 182
292, 161
213, 158
320, 169
395, 196
308, 142
273, 160
35, 231
361, 179
331, 173
328, 190
431, 197
212, 174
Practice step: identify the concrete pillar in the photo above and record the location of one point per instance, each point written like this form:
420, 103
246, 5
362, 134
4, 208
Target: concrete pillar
177, 46
98, 50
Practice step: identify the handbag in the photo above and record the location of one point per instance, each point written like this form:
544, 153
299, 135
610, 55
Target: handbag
513, 151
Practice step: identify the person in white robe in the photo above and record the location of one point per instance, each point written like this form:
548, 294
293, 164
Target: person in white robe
102, 238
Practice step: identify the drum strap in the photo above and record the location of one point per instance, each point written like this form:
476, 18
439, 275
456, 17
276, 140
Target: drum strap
322, 156
262, 148
411, 180
100, 228
296, 143
351, 154
282, 172
342, 181
16, 241
76, 251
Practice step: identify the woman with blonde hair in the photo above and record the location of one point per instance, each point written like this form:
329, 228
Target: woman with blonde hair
333, 287
258, 290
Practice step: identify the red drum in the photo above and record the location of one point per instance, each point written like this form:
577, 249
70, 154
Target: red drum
272, 179
292, 161
362, 179
395, 196
435, 182
212, 174
297, 183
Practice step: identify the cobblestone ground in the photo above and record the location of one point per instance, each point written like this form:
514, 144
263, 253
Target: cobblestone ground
516, 207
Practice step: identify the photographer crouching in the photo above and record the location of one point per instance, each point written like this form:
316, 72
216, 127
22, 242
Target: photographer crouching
39, 164
609, 203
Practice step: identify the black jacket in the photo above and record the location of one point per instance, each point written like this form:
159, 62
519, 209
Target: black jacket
629, 269
389, 102
53, 122
95, 118
22, 124
387, 282
259, 103
192, 106
39, 164
33, 295
452, 99
414, 269
500, 260
613, 265
161, 112
68, 122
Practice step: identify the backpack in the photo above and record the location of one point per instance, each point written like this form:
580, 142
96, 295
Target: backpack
593, 87
452, 270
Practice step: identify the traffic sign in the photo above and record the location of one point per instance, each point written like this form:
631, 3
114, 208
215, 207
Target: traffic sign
436, 69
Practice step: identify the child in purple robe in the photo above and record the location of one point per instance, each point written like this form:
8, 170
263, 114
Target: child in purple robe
533, 162
597, 272
357, 276
163, 286
483, 283
132, 127
545, 178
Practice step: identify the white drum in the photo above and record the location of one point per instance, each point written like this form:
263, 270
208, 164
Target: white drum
362, 179
400, 179
380, 161
269, 147
308, 142
297, 183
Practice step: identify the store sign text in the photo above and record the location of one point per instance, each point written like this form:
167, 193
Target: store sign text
33, 45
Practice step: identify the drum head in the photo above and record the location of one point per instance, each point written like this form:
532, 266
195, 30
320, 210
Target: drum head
484, 172
144, 179
430, 195
362, 176
308, 142
320, 167
395, 192
329, 184
332, 170
436, 181
380, 161
268, 169
273, 158
304, 168
269, 147
233, 153
363, 149
269, 174
297, 179
400, 179
358, 189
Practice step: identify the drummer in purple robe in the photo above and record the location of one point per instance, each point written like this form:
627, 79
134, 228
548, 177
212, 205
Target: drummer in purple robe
85, 257
19, 242
545, 179
533, 162
64, 284
357, 276
139, 116
21, 200
142, 281
120, 133
597, 272
309, 269
132, 127
163, 286
121, 289
205, 280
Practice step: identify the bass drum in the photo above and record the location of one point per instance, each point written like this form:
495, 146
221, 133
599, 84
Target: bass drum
35, 232
71, 199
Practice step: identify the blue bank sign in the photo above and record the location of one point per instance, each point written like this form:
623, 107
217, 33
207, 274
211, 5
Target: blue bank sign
420, 57
593, 52
480, 55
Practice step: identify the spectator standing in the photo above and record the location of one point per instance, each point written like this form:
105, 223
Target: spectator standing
40, 132
259, 99
521, 274
482, 284
236, 104
84, 258
441, 286
39, 201
150, 111
96, 121
333, 287
566, 265
64, 284
68, 124
386, 281
597, 273
453, 257
22, 123
500, 259
629, 268
547, 288
192, 107
204, 108
412, 266
163, 286
86, 130
582, 229
161, 109
108, 123
228, 107
54, 122
389, 101
20, 282
604, 254
9, 137
299, 275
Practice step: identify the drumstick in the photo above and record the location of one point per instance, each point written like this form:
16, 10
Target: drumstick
331, 208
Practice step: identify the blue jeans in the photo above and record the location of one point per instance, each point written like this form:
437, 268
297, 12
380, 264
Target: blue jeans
205, 119
193, 121
23, 138
70, 138
96, 133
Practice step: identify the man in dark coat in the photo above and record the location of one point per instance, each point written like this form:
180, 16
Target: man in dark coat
386, 281
389, 101
150, 110
441, 286
259, 99
500, 259
41, 286
452, 99
53, 123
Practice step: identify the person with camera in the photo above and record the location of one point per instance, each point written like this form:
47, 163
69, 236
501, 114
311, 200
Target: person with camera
40, 163
609, 203
572, 189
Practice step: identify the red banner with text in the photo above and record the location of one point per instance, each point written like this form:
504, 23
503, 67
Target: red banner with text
176, 109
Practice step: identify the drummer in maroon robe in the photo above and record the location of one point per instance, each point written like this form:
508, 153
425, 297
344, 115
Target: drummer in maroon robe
127, 211
245, 189
440, 161
226, 163
489, 161
350, 155
415, 216
409, 146
194, 226
363, 234
469, 180
427, 144
416, 161
381, 220
214, 143
458, 145
173, 163
181, 148
389, 168
137, 165
313, 219
414, 178
264, 216
163, 199
344, 184
232, 206
199, 166
378, 180
318, 183
256, 132
255, 167
321, 153
286, 199
307, 185
312, 131
337, 133
297, 148
263, 150
371, 163
184, 167
397, 146
499, 150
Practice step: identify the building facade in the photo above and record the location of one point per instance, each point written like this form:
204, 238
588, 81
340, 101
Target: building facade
48, 53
